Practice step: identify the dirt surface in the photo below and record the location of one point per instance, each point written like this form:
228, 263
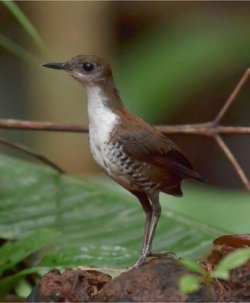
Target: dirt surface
155, 281
70, 286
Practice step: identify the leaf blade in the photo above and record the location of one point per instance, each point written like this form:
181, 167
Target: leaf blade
189, 284
101, 225
13, 253
231, 261
26, 24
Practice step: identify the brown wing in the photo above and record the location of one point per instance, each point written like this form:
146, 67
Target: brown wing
149, 145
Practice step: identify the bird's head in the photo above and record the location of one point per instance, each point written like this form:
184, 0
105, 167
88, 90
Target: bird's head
86, 69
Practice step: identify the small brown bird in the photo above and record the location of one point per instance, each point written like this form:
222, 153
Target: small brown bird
133, 153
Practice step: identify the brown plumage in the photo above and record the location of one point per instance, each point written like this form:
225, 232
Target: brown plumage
132, 152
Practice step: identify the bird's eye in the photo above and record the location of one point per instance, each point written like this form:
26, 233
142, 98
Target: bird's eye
88, 66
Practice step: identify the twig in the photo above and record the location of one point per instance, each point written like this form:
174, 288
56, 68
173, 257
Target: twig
234, 130
233, 161
32, 153
209, 129
232, 97
42, 126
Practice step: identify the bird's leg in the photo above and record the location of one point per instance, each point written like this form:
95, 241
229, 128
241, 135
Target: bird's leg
154, 198
148, 211
156, 207
149, 236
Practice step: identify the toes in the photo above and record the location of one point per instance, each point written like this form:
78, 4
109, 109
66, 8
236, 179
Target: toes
142, 259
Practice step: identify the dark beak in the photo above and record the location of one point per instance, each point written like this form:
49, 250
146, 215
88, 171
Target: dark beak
61, 66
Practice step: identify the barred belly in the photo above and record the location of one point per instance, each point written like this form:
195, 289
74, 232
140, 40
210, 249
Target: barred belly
130, 173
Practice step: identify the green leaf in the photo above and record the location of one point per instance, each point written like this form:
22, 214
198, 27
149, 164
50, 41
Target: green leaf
26, 24
102, 225
192, 266
189, 284
23, 288
17, 50
13, 253
9, 283
231, 261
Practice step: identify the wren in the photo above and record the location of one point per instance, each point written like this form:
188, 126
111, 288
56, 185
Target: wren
132, 152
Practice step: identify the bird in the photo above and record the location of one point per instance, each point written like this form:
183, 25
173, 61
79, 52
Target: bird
132, 152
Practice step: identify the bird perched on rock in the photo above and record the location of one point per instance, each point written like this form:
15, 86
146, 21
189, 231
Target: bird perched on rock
132, 152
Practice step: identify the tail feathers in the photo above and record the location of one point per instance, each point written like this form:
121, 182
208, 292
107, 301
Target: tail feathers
180, 166
176, 191
196, 176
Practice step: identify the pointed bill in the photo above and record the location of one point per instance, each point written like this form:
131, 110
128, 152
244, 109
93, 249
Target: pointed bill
61, 66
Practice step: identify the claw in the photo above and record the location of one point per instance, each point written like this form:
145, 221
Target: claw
145, 256
139, 262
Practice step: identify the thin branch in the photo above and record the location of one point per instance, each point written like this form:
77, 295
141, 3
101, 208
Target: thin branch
234, 130
233, 161
201, 129
209, 129
32, 153
42, 126
232, 97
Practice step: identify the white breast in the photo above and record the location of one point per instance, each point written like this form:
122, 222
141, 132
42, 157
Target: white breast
101, 123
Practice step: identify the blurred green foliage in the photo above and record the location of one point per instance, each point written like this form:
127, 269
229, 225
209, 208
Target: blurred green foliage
14, 252
189, 284
15, 48
162, 70
231, 261
26, 24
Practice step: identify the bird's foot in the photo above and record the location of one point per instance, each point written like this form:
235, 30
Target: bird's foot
150, 254
139, 262
147, 253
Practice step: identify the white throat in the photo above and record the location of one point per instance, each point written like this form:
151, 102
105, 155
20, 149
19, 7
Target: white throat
101, 119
